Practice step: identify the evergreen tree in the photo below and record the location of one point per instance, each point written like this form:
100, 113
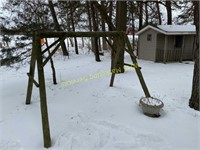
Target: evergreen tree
25, 17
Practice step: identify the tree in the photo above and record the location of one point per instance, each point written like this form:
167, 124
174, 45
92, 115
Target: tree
194, 100
159, 13
169, 12
121, 13
103, 29
95, 28
6, 39
27, 16
187, 13
57, 26
72, 10
140, 4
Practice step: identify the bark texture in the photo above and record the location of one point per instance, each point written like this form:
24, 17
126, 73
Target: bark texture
194, 100
57, 27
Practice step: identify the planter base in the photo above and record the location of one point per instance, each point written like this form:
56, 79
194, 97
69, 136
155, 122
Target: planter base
151, 106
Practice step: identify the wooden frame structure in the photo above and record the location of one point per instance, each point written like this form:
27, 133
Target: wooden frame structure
37, 54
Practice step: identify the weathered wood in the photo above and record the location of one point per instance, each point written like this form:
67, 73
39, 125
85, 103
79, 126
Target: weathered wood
15, 32
33, 80
31, 72
137, 69
37, 55
133, 65
42, 91
52, 65
79, 34
48, 48
53, 52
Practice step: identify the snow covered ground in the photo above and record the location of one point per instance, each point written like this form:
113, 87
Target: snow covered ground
90, 115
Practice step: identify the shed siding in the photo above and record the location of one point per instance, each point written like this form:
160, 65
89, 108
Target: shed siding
147, 49
171, 43
153, 49
188, 47
160, 47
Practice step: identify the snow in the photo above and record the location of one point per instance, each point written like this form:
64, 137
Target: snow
93, 116
177, 28
171, 29
151, 101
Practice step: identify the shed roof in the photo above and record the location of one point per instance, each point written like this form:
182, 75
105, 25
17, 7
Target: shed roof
171, 29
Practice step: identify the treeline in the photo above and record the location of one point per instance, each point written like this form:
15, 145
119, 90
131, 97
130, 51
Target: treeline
26, 16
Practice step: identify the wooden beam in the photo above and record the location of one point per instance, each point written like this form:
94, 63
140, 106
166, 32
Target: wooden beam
53, 52
32, 79
79, 34
43, 99
31, 72
133, 66
137, 69
48, 48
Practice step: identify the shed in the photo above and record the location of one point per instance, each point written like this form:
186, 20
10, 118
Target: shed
165, 43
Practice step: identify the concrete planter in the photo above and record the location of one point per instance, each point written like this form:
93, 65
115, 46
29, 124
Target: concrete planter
151, 106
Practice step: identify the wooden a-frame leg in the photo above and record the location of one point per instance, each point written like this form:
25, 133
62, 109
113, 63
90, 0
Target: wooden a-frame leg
31, 72
43, 99
137, 68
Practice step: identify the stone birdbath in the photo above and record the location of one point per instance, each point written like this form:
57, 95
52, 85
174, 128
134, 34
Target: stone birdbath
151, 106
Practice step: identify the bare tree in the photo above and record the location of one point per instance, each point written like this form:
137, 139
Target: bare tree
158, 13
121, 13
57, 26
95, 28
169, 12
72, 10
194, 100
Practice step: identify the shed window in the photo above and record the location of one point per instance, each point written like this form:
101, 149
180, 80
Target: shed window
178, 41
149, 36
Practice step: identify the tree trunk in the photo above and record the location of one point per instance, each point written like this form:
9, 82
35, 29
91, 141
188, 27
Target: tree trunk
104, 15
194, 100
57, 27
119, 44
146, 14
90, 23
140, 14
95, 28
110, 13
158, 11
169, 12
73, 29
103, 29
133, 27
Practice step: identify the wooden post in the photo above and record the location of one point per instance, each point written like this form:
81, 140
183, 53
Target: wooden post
137, 68
31, 72
42, 91
165, 49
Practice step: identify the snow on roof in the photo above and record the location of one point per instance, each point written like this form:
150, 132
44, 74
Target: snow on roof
171, 29
177, 28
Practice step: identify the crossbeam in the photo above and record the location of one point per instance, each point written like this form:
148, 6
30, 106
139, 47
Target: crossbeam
79, 34
33, 80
